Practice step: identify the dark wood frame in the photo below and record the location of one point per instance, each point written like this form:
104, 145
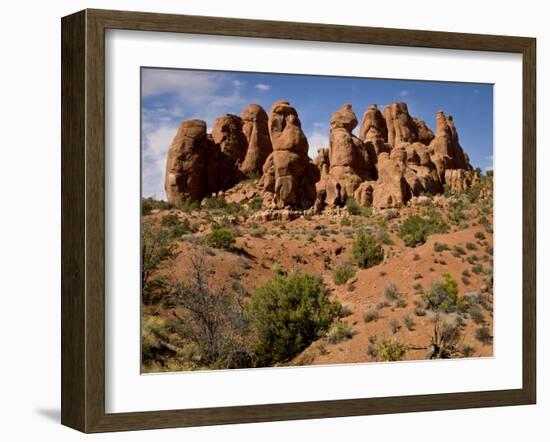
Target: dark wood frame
83, 216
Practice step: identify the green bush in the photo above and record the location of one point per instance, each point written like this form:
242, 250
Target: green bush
366, 250
255, 203
391, 291
345, 222
443, 296
409, 323
339, 331
440, 247
354, 208
221, 238
146, 207
392, 350
176, 226
343, 272
149, 204
416, 229
215, 202
169, 220
395, 326
371, 315
483, 335
157, 247
287, 313
479, 235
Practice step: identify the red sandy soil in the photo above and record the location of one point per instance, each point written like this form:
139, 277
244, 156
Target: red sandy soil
317, 245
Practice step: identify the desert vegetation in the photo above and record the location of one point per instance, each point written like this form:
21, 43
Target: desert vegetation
251, 273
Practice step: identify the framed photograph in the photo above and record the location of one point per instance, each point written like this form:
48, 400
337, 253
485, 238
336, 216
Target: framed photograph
266, 221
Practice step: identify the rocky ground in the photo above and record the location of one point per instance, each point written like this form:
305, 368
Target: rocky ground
384, 305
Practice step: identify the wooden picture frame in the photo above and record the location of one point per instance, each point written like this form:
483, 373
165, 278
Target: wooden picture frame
83, 220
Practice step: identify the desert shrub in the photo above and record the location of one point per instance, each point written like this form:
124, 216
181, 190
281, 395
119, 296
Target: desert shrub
156, 248
255, 203
479, 299
489, 249
440, 247
176, 226
467, 351
443, 296
391, 214
213, 321
466, 273
401, 303
417, 276
258, 232
409, 323
169, 220
339, 331
345, 222
465, 280
445, 338
345, 310
418, 287
354, 208
477, 269
419, 311
154, 338
372, 351
366, 250
287, 313
221, 238
416, 229
391, 291
146, 207
475, 313
458, 251
343, 272
214, 203
471, 246
395, 326
234, 208
391, 350
416, 257
371, 315
479, 235
149, 204
483, 335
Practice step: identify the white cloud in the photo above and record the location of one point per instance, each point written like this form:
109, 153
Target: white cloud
263, 87
319, 124
403, 93
155, 148
316, 140
190, 88
173, 96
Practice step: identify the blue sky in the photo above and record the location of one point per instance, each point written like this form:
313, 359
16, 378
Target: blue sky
170, 96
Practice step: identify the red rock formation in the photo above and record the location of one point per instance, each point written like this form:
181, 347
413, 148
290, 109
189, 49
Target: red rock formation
396, 157
401, 127
186, 163
228, 135
256, 132
425, 134
293, 171
391, 189
350, 163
